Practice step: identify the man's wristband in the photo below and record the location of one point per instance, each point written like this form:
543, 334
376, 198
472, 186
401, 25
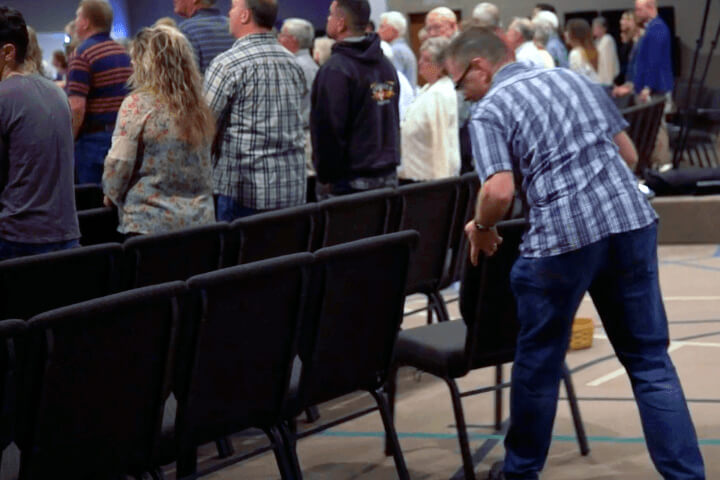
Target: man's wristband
482, 228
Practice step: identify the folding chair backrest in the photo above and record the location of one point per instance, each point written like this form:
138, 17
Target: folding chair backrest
354, 316
644, 123
468, 186
99, 225
242, 347
98, 374
487, 304
88, 195
11, 374
356, 216
273, 234
35, 284
178, 255
429, 208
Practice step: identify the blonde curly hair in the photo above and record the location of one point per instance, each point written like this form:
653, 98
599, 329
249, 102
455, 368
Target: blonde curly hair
164, 65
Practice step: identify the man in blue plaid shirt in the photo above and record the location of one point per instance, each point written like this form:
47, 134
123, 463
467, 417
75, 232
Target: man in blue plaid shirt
561, 140
256, 90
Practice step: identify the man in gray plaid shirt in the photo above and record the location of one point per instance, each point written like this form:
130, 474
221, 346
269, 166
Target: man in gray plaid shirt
256, 90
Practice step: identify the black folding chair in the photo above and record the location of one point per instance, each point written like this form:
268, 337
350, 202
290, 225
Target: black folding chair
485, 337
359, 215
468, 187
38, 283
430, 209
240, 354
354, 313
273, 234
99, 225
644, 123
97, 376
178, 255
11, 375
88, 196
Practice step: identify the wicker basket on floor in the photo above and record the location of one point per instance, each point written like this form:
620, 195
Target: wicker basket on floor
582, 333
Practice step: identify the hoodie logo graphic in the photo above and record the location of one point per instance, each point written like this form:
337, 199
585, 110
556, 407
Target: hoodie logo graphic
382, 93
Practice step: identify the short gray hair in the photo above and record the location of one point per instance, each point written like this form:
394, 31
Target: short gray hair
600, 22
524, 26
437, 47
396, 20
301, 29
487, 15
543, 31
477, 42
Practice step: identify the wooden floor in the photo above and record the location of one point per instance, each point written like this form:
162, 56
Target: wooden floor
690, 278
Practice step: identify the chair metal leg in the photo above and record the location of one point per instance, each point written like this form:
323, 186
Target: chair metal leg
461, 426
290, 442
575, 411
224, 447
312, 414
157, 474
287, 472
390, 390
187, 463
498, 398
438, 305
391, 434
430, 308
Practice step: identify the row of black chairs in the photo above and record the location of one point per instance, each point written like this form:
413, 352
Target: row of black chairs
246, 346
243, 347
437, 210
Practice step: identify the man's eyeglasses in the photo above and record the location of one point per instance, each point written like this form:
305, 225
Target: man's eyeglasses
459, 83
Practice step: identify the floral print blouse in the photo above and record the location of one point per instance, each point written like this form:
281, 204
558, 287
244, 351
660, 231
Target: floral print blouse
158, 182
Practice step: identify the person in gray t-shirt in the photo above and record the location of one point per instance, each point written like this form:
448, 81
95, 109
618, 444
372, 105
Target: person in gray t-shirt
37, 202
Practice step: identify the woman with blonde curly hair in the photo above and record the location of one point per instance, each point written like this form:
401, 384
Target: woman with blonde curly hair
158, 171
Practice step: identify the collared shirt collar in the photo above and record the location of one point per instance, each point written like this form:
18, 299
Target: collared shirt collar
207, 12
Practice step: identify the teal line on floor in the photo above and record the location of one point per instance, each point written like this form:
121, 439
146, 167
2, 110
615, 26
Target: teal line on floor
717, 253
480, 436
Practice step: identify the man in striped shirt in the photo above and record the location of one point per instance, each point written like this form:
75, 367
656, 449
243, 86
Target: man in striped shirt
97, 79
256, 90
206, 29
560, 139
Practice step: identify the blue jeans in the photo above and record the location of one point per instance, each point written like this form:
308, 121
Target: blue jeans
228, 209
621, 274
10, 249
90, 152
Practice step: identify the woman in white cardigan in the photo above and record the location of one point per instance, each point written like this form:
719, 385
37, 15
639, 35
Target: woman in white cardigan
429, 132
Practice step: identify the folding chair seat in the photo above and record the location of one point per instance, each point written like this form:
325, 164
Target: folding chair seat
359, 215
38, 283
484, 337
430, 209
239, 354
178, 255
99, 225
97, 376
273, 234
355, 307
88, 195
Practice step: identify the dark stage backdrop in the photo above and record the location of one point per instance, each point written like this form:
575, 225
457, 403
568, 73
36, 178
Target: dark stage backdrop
132, 15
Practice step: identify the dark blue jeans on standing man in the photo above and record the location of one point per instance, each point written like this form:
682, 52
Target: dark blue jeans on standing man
621, 274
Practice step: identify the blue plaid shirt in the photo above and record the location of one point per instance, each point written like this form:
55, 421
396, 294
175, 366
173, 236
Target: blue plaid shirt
554, 130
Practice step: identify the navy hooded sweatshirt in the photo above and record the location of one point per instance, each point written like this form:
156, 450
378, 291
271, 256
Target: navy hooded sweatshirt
354, 121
